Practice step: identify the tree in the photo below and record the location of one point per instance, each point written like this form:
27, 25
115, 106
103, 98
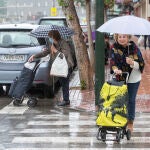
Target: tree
90, 41
87, 5
107, 4
84, 66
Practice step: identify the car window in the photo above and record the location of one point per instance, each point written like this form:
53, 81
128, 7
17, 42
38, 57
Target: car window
53, 22
10, 38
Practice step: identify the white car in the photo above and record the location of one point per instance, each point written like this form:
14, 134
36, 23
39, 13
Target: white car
60, 21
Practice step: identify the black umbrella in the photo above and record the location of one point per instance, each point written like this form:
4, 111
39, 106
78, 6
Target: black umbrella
42, 31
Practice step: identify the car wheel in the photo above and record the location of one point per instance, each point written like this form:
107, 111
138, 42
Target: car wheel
2, 92
49, 91
7, 89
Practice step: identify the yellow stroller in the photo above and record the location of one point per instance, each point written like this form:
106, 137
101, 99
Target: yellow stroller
112, 115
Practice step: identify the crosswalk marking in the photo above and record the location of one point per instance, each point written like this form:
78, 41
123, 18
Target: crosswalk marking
54, 139
71, 130
73, 140
81, 122
76, 149
59, 130
55, 116
78, 128
11, 109
75, 126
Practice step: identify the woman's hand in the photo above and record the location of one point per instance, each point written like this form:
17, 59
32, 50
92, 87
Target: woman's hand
129, 61
31, 58
118, 71
44, 49
53, 49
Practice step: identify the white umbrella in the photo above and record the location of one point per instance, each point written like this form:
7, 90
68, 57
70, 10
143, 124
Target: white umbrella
126, 25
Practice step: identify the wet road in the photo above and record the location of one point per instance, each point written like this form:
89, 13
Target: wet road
47, 126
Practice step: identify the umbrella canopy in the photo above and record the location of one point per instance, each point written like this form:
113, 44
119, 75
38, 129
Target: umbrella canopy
126, 25
42, 31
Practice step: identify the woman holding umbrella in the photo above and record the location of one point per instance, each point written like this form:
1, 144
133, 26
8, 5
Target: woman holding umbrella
56, 45
126, 57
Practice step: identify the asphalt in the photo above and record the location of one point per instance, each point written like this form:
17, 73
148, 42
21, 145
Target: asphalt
84, 100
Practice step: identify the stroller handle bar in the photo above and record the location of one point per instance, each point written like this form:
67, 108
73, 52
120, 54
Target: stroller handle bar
127, 75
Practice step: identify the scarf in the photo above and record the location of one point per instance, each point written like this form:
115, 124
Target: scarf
119, 54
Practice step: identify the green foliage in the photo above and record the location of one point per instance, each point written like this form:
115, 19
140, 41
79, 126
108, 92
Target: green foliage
70, 17
83, 85
62, 3
109, 3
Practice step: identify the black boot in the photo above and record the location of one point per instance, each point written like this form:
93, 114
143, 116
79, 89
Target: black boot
64, 103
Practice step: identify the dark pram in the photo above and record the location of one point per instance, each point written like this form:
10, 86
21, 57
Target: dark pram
20, 85
112, 115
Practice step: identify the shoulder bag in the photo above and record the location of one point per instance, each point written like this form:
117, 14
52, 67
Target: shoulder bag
59, 66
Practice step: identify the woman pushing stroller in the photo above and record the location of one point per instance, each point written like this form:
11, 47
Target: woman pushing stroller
126, 57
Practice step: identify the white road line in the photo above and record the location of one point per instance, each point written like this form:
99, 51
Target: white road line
142, 116
63, 116
59, 130
76, 140
54, 140
78, 122
72, 130
77, 148
73, 123
143, 130
11, 109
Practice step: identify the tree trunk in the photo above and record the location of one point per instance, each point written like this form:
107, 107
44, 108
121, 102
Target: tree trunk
105, 14
85, 71
90, 40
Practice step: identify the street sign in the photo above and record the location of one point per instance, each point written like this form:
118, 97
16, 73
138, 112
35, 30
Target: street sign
53, 11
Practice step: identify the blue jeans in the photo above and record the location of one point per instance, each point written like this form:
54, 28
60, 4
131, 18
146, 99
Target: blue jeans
132, 92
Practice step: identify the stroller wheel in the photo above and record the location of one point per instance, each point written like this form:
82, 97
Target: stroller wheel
122, 134
103, 135
98, 134
118, 136
32, 102
17, 102
128, 134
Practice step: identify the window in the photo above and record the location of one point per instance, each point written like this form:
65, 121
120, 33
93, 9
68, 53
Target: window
16, 38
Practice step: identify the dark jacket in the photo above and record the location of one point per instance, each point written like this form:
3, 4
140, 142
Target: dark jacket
119, 54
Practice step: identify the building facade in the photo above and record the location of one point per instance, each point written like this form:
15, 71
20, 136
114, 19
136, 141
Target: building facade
31, 10
22, 10
142, 8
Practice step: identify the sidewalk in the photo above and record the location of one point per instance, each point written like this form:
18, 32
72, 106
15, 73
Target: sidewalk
85, 100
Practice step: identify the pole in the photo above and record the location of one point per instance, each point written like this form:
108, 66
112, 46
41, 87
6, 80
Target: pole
99, 51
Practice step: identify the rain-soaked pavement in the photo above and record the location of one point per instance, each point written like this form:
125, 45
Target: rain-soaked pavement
47, 126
